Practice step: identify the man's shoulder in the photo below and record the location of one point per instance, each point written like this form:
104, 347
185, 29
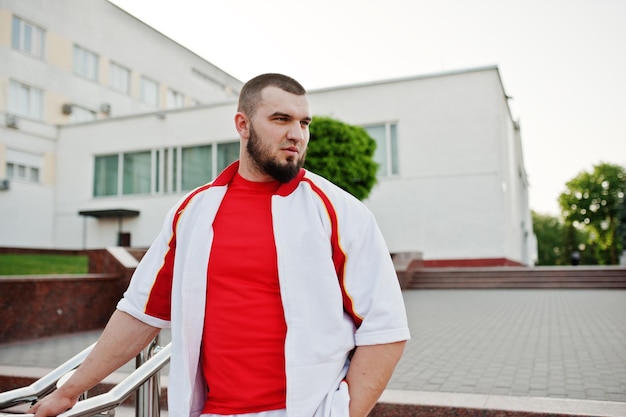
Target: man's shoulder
196, 192
332, 191
326, 185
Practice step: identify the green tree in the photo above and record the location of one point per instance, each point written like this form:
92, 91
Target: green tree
592, 201
556, 241
343, 154
576, 239
621, 226
550, 234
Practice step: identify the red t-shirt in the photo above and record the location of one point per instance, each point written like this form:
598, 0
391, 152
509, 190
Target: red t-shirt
244, 327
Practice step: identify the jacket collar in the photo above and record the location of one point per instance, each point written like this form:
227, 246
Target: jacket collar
226, 176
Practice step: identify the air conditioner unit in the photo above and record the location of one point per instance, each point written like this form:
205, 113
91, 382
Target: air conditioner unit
66, 109
105, 108
4, 184
12, 121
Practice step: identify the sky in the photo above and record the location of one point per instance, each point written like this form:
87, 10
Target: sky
563, 62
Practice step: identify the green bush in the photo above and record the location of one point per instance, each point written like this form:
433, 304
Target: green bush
343, 154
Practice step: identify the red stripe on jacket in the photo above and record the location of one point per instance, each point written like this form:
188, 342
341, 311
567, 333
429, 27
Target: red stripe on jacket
160, 298
339, 256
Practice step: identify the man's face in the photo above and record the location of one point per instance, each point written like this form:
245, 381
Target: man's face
278, 135
261, 153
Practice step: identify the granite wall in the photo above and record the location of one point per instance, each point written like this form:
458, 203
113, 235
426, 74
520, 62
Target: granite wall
34, 306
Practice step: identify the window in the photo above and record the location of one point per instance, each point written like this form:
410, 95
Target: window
85, 63
25, 100
149, 92
164, 170
27, 38
22, 172
119, 78
174, 99
137, 170
106, 175
227, 153
23, 166
33, 174
386, 154
196, 166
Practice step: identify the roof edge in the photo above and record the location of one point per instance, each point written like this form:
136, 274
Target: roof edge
407, 78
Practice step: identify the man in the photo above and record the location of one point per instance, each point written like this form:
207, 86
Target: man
277, 285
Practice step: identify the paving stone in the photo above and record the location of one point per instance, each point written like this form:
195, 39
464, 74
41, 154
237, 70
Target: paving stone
524, 343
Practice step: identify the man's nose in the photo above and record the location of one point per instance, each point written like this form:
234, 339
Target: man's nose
297, 132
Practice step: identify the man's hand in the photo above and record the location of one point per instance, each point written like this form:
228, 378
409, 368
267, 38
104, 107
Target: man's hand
122, 339
52, 405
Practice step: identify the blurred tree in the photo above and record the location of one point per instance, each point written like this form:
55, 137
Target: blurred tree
343, 154
550, 243
621, 226
556, 241
576, 241
592, 201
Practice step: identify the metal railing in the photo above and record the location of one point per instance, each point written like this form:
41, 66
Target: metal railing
148, 399
149, 363
42, 386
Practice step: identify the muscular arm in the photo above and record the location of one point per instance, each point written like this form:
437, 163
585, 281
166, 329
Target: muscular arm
122, 339
370, 370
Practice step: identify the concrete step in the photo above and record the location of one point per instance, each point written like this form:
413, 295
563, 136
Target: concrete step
514, 277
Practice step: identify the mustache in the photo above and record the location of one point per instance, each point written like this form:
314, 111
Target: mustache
292, 144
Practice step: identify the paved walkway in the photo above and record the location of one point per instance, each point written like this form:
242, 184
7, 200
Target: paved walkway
535, 350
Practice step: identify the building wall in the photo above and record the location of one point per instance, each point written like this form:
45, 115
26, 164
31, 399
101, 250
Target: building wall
114, 36
27, 208
458, 193
28, 215
79, 144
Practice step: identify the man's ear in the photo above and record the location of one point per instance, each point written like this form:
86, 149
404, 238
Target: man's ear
242, 124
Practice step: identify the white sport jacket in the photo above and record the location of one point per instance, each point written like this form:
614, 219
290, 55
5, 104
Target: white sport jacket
338, 287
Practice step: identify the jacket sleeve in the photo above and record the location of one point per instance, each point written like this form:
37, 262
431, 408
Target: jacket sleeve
148, 297
372, 286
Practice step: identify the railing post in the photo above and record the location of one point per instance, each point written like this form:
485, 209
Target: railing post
148, 401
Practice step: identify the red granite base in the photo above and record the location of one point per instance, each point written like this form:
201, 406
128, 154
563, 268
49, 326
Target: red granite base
411, 410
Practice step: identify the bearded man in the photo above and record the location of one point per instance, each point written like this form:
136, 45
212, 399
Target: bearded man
277, 285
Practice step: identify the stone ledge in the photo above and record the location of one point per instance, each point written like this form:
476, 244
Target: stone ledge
398, 403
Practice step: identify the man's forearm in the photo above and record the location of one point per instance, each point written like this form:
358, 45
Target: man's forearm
370, 370
122, 339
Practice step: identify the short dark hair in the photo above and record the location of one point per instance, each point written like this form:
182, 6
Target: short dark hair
250, 94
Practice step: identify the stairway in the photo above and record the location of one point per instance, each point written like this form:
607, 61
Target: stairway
589, 277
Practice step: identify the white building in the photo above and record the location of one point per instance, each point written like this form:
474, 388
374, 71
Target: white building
452, 183
68, 61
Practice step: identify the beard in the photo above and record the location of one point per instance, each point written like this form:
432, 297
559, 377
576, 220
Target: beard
269, 164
